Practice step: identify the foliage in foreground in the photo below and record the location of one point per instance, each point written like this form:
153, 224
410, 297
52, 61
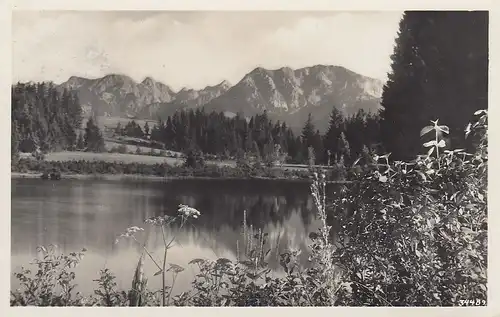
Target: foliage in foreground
408, 234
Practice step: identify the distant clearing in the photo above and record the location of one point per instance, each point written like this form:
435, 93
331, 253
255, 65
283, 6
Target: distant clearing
112, 122
132, 148
124, 158
111, 157
142, 159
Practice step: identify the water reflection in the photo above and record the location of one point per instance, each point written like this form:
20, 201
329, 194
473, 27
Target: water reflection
74, 214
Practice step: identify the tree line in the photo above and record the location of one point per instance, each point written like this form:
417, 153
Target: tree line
260, 137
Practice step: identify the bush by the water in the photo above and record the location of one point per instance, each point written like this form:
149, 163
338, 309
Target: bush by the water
409, 234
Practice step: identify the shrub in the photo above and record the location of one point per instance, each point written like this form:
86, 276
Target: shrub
415, 234
122, 148
52, 284
194, 159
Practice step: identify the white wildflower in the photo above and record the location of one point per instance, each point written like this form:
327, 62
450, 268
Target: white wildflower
159, 221
188, 212
129, 233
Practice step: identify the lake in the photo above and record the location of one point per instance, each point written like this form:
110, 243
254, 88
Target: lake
76, 214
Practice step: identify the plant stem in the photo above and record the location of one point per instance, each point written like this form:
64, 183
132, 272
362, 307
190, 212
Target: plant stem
172, 288
164, 265
149, 254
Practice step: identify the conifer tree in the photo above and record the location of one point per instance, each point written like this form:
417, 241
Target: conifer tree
308, 132
439, 71
335, 127
93, 139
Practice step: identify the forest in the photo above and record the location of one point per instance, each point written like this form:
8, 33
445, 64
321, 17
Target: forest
44, 117
258, 136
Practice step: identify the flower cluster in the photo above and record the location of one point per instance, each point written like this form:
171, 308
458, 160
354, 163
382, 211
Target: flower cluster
160, 220
129, 233
188, 212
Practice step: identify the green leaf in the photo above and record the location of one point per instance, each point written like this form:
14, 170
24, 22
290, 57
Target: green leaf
430, 143
467, 230
176, 268
356, 162
422, 175
197, 261
431, 150
441, 143
223, 261
382, 178
468, 129
444, 129
426, 130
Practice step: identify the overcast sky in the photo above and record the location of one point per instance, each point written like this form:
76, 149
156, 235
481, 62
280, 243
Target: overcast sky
196, 49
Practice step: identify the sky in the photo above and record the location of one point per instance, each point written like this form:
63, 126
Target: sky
197, 48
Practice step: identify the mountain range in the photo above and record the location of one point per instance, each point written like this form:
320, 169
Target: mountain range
286, 94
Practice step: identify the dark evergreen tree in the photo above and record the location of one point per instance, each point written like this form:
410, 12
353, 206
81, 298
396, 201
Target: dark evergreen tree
93, 139
317, 145
119, 129
194, 158
335, 127
439, 71
308, 132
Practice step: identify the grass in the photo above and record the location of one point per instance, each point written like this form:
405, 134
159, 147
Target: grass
66, 156
112, 122
110, 144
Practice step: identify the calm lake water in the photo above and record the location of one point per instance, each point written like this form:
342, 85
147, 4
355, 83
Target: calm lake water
76, 214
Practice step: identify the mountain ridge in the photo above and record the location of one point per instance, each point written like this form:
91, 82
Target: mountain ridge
286, 94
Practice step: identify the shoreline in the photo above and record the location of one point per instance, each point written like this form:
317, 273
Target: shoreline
123, 177
119, 177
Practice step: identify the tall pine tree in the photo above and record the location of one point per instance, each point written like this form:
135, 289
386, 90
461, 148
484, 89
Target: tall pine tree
335, 128
93, 139
439, 71
308, 132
